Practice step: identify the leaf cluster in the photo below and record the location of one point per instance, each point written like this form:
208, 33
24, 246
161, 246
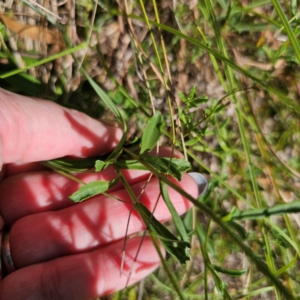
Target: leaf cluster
119, 160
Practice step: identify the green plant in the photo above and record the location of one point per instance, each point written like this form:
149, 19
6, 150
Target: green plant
240, 127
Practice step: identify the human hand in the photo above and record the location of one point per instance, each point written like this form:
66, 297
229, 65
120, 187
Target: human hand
61, 250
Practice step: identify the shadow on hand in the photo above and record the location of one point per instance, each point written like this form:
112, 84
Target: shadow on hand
89, 225
98, 145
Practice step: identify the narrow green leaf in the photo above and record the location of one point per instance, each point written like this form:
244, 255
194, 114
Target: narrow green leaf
231, 272
174, 246
284, 98
164, 165
170, 274
176, 218
175, 167
202, 236
260, 264
293, 39
182, 97
100, 165
130, 164
220, 108
46, 60
239, 229
152, 133
40, 12
192, 93
197, 101
104, 97
219, 283
71, 164
251, 214
192, 142
91, 189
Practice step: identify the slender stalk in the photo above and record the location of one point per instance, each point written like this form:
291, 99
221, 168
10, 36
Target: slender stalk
261, 266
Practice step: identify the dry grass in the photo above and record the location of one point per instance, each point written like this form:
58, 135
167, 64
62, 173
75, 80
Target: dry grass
121, 57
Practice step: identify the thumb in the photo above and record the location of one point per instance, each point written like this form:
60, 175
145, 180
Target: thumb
34, 130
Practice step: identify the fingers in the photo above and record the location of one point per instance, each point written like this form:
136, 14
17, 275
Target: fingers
43, 191
32, 193
17, 168
82, 276
36, 130
91, 224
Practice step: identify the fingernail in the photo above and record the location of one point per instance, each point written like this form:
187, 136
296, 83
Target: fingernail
201, 182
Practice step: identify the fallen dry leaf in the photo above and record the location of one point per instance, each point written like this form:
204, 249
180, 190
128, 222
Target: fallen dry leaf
109, 37
49, 36
244, 61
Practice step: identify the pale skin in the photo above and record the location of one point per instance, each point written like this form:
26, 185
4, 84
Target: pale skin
63, 250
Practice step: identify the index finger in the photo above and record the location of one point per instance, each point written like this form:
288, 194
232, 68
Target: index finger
34, 130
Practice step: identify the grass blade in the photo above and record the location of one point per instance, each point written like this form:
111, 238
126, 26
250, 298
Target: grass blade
151, 133
45, 60
252, 214
176, 218
104, 97
294, 41
284, 98
262, 267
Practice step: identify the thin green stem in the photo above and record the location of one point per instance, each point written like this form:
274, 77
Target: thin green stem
294, 41
261, 266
